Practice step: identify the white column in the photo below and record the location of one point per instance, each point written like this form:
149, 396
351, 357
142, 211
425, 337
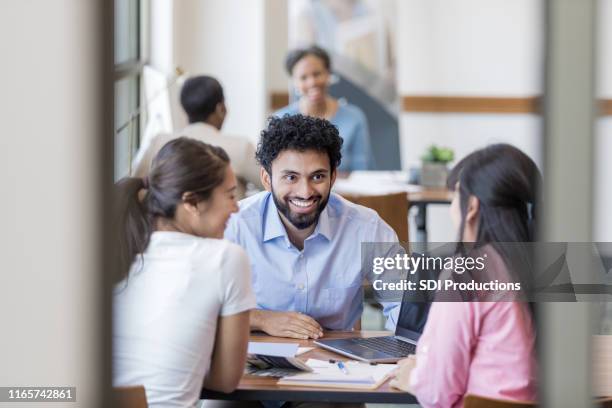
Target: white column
50, 279
566, 328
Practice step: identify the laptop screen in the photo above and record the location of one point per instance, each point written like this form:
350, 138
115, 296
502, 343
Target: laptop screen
414, 309
412, 318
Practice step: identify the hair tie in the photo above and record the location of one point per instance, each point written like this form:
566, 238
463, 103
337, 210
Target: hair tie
530, 211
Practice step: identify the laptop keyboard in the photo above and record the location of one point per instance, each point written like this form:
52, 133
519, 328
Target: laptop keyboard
388, 345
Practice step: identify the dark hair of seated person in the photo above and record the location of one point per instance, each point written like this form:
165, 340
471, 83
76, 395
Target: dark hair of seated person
300, 133
294, 56
200, 96
506, 183
182, 165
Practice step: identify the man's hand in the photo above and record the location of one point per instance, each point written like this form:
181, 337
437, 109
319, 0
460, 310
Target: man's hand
286, 324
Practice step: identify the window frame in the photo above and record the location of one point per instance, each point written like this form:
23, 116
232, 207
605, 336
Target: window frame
133, 69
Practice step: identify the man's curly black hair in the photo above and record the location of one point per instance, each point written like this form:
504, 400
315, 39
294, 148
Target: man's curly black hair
301, 133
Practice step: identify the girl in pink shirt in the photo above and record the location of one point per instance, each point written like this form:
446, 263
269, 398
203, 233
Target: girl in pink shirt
484, 348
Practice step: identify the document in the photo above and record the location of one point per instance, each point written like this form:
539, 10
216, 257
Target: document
375, 183
352, 374
273, 349
264, 355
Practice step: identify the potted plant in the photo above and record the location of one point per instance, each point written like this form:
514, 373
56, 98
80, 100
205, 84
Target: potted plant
434, 169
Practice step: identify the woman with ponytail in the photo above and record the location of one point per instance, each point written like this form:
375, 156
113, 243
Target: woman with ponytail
182, 294
484, 346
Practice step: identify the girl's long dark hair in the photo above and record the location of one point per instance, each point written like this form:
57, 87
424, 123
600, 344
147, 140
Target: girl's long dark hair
507, 184
182, 165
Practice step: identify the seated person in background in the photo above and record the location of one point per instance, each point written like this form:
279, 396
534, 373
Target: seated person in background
482, 348
181, 313
203, 101
303, 241
310, 70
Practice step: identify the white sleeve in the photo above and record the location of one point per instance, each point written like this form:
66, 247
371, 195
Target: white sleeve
250, 168
235, 290
147, 152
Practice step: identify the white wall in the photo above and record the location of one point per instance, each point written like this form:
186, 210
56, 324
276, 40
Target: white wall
276, 45
161, 35
226, 39
603, 144
241, 43
49, 280
468, 48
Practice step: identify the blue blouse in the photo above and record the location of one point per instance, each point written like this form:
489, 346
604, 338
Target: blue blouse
353, 128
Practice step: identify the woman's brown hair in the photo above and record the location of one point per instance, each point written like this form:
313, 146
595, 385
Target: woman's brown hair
182, 165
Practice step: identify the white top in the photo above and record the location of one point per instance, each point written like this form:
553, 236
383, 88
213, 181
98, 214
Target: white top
239, 149
165, 317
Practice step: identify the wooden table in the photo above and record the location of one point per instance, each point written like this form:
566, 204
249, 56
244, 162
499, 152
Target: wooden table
431, 195
253, 388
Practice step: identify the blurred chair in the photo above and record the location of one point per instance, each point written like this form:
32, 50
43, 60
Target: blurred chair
474, 401
393, 208
130, 397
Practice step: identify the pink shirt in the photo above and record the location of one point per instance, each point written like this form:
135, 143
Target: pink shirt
481, 348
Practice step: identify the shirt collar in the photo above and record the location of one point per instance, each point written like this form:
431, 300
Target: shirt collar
202, 125
324, 225
273, 226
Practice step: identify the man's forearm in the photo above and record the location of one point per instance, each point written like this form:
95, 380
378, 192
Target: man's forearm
257, 319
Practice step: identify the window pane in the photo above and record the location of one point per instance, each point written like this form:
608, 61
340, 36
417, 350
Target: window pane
126, 103
126, 30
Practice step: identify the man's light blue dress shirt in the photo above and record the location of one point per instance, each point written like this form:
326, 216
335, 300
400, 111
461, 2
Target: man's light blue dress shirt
324, 280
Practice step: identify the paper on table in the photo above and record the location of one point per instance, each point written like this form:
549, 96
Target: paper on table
273, 349
394, 176
278, 355
302, 350
326, 374
356, 369
375, 183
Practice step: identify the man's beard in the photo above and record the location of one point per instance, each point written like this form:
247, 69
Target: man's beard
301, 221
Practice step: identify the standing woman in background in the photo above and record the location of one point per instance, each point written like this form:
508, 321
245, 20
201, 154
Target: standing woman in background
310, 70
181, 313
484, 348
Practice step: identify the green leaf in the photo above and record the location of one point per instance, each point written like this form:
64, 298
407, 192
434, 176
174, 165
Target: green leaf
435, 154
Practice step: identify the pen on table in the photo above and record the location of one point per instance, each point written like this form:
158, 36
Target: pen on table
342, 367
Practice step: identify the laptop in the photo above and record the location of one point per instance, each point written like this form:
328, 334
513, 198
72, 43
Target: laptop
385, 349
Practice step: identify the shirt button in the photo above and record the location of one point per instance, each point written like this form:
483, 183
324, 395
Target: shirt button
301, 256
301, 286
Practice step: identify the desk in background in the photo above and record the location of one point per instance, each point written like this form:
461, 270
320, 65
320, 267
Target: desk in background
421, 199
380, 183
253, 388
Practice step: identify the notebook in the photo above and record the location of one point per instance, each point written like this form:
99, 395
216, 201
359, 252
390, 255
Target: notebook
329, 375
262, 355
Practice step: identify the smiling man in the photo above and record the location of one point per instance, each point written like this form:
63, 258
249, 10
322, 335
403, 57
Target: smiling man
303, 241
